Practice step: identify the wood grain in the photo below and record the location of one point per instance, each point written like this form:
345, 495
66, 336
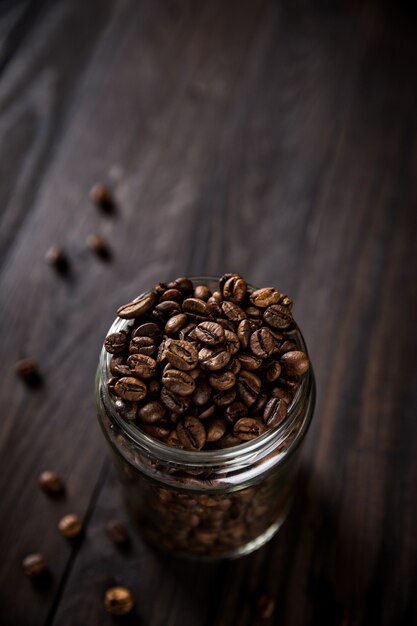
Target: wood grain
275, 139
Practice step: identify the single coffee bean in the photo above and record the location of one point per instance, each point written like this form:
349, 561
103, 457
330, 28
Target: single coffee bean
223, 398
228, 441
151, 412
138, 307
272, 371
149, 329
142, 345
213, 359
154, 387
283, 393
160, 356
178, 382
202, 393
254, 314
70, 526
118, 601
202, 292
234, 366
232, 311
215, 307
159, 431
248, 428
191, 433
181, 354
117, 532
51, 483
222, 380
248, 386
126, 410
195, 373
278, 316
226, 324
100, 195
209, 333
258, 407
116, 342
215, 429
142, 366
174, 403
175, 323
265, 606
287, 346
235, 411
186, 331
244, 331
99, 246
275, 412
265, 297
262, 343
164, 310
118, 367
56, 257
196, 306
206, 412
184, 284
231, 341
235, 288
294, 363
160, 288
27, 370
131, 389
34, 565
223, 279
249, 361
171, 294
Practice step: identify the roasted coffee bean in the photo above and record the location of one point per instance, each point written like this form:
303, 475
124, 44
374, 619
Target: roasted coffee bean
231, 341
224, 398
34, 565
100, 195
142, 345
70, 526
215, 307
294, 363
249, 361
213, 359
228, 441
195, 373
184, 284
217, 296
202, 292
164, 310
272, 371
287, 346
181, 354
51, 483
118, 601
275, 412
161, 288
248, 386
27, 370
244, 331
254, 314
154, 386
142, 366
234, 366
116, 342
283, 393
265, 606
222, 380
226, 324
208, 412
248, 428
118, 367
159, 431
152, 412
258, 407
232, 311
56, 257
215, 429
126, 410
202, 393
117, 532
160, 356
209, 333
185, 332
174, 403
137, 308
278, 316
262, 343
175, 323
171, 294
178, 382
235, 411
173, 440
223, 279
265, 297
149, 329
130, 389
196, 306
235, 288
191, 433
99, 246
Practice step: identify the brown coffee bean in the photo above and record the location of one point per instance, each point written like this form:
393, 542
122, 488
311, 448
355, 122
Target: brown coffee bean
232, 311
142, 366
215, 429
164, 310
294, 363
99, 246
278, 316
142, 345
248, 386
215, 307
262, 343
231, 341
226, 324
154, 386
178, 382
228, 441
185, 332
137, 308
151, 412
70, 526
172, 440
118, 367
118, 601
202, 393
272, 371
131, 389
27, 370
171, 294
244, 332
265, 297
234, 366
208, 412
223, 398
254, 314
196, 306
175, 323
283, 393
116, 342
191, 433
184, 284
258, 407
209, 333
248, 428
275, 412
181, 354
234, 288
287, 346
117, 532
213, 359
56, 257
222, 380
149, 329
51, 482
34, 565
265, 606
126, 410
249, 361
202, 292
100, 195
235, 411
174, 403
159, 431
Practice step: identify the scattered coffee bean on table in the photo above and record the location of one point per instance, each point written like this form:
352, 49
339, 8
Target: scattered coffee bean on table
27, 370
118, 600
99, 246
202, 370
70, 526
57, 258
101, 196
34, 565
51, 482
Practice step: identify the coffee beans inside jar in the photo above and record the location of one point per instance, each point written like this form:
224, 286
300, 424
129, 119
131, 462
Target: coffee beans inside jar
202, 369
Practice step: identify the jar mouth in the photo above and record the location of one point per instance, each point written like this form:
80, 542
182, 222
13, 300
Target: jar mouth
206, 458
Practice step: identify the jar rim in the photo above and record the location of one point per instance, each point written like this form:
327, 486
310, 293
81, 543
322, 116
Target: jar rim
205, 458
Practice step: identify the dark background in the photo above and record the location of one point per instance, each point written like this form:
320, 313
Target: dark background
275, 139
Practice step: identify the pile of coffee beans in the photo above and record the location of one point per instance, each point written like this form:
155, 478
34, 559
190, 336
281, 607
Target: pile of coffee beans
201, 369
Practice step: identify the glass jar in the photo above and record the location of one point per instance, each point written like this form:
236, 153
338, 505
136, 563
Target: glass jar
211, 503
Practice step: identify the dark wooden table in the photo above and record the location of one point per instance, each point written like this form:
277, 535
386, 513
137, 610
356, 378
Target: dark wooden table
276, 139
